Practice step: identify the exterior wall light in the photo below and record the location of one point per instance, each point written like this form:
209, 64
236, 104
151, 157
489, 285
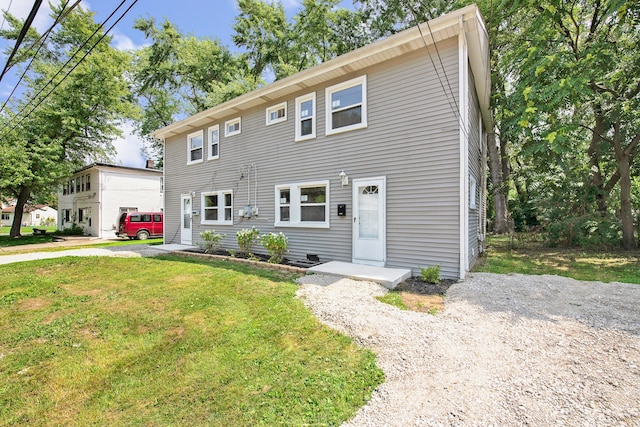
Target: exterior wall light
344, 179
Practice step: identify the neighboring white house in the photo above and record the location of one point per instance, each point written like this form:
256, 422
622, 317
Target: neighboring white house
94, 196
38, 215
374, 157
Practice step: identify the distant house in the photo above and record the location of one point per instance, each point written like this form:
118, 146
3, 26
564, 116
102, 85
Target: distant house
32, 215
94, 196
375, 157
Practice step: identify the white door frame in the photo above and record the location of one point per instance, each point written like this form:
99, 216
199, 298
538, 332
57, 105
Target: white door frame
376, 249
186, 237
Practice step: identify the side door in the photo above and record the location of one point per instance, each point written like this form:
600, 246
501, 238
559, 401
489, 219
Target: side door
186, 220
369, 221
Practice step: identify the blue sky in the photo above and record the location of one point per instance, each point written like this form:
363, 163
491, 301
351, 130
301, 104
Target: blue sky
202, 18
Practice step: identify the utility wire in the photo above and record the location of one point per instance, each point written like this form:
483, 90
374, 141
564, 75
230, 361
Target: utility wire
451, 99
3, 18
73, 68
63, 14
23, 33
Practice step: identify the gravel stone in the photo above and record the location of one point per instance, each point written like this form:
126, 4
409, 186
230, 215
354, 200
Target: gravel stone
507, 350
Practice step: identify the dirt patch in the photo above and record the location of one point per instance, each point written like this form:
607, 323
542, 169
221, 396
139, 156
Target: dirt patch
35, 303
422, 303
83, 292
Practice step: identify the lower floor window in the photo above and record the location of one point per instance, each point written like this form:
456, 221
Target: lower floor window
303, 205
217, 207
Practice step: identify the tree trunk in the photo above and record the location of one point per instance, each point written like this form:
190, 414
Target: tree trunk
498, 185
623, 158
594, 162
23, 196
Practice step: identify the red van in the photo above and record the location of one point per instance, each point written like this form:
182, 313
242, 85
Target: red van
140, 225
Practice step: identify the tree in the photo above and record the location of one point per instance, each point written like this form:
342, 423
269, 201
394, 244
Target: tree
180, 75
76, 121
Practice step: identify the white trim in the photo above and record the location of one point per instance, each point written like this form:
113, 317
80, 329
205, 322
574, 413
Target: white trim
382, 182
314, 116
274, 108
221, 208
192, 135
358, 81
237, 120
295, 205
212, 129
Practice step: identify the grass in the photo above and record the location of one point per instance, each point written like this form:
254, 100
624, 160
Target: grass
169, 341
27, 230
527, 255
6, 241
403, 300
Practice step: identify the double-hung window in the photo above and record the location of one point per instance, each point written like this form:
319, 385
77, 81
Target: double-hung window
346, 106
194, 147
306, 117
277, 114
88, 182
232, 127
302, 205
217, 208
214, 142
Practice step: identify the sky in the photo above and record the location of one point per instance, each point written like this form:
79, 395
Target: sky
201, 18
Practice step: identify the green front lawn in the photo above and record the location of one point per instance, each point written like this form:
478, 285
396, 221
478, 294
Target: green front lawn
169, 341
527, 255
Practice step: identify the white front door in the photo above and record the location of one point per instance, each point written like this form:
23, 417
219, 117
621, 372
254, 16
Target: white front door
369, 221
185, 234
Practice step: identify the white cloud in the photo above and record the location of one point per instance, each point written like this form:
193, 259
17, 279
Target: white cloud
123, 42
21, 9
129, 148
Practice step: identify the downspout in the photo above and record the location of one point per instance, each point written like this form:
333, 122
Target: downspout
463, 83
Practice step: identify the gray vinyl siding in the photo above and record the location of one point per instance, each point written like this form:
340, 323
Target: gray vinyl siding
475, 170
412, 139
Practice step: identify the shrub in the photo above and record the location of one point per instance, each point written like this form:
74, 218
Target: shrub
431, 274
585, 231
211, 240
247, 238
74, 230
276, 246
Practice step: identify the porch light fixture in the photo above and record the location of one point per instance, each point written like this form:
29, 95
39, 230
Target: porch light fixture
344, 179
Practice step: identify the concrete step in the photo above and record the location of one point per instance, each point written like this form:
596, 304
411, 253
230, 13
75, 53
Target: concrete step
387, 277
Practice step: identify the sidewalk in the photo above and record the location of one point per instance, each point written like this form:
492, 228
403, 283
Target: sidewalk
70, 241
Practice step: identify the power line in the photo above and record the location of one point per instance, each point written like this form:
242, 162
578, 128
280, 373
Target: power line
23, 33
3, 18
63, 14
73, 68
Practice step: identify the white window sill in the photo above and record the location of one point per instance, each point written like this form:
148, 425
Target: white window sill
301, 224
346, 129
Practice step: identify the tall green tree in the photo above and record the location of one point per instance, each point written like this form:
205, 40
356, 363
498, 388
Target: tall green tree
179, 75
74, 123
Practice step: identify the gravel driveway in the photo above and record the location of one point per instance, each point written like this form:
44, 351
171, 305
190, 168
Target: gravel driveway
507, 350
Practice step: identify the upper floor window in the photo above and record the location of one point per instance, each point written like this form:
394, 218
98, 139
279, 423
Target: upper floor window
232, 127
217, 207
277, 113
88, 182
346, 106
303, 205
306, 117
83, 182
72, 186
194, 147
77, 184
214, 142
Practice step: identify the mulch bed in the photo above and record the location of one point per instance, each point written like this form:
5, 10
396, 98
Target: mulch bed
416, 285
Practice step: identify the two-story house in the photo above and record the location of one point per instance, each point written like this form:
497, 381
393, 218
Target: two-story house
94, 196
375, 157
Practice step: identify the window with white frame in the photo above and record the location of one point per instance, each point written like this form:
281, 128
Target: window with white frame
306, 117
88, 182
277, 114
473, 188
194, 147
346, 106
302, 205
217, 208
214, 142
232, 127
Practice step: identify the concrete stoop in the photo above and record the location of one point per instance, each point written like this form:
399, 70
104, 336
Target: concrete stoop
387, 277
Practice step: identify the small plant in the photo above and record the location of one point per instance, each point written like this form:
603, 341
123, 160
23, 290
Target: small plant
276, 246
232, 253
247, 238
431, 274
211, 241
